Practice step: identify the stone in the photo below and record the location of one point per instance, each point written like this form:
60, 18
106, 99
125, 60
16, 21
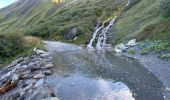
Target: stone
25, 66
47, 54
15, 77
40, 93
23, 91
51, 98
132, 43
9, 85
40, 75
6, 75
35, 68
167, 89
31, 64
118, 50
49, 66
25, 76
75, 38
39, 83
47, 72
38, 51
120, 47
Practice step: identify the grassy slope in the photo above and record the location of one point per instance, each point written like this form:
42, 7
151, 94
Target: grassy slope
46, 19
143, 21
81, 14
24, 13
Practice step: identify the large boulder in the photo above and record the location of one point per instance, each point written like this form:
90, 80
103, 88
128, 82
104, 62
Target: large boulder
120, 47
71, 33
132, 43
42, 92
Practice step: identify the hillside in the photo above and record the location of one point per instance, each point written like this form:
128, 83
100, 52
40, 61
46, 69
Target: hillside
23, 13
74, 20
143, 21
43, 18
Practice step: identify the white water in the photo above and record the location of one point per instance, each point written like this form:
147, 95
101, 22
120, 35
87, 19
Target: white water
102, 35
94, 37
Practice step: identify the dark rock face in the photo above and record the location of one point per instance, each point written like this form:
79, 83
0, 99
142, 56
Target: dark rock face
71, 33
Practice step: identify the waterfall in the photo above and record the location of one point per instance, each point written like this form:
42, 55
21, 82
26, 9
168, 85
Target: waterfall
94, 35
102, 37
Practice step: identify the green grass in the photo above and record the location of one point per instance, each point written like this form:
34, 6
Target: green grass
156, 46
15, 44
165, 56
23, 53
138, 17
131, 51
81, 15
49, 20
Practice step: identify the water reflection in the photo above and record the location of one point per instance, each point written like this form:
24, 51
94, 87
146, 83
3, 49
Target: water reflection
77, 87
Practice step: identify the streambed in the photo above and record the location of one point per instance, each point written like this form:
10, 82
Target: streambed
89, 74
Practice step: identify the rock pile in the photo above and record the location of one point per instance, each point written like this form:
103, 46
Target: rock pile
122, 47
24, 78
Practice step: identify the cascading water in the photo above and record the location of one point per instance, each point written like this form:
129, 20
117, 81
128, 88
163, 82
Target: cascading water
101, 31
94, 37
102, 37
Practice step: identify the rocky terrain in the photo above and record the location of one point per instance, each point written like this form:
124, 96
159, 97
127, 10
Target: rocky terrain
24, 78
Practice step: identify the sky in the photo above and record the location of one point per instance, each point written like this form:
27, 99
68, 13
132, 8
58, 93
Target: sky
4, 3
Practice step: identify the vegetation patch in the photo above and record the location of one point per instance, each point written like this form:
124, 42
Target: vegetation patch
165, 8
82, 15
165, 56
15, 44
131, 51
153, 46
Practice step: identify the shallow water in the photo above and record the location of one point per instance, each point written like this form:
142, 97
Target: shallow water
83, 74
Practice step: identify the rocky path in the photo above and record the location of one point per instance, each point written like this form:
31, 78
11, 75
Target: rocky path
24, 78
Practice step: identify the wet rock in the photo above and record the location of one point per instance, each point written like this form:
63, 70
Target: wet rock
120, 47
40, 75
7, 87
39, 83
25, 76
40, 93
38, 51
132, 43
25, 62
118, 50
14, 97
32, 81
75, 38
6, 75
33, 66
47, 54
47, 72
25, 66
167, 89
52, 98
49, 66
22, 91
15, 77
